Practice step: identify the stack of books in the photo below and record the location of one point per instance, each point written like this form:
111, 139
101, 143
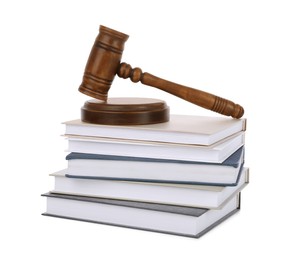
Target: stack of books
182, 177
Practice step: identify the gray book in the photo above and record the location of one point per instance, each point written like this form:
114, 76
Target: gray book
176, 220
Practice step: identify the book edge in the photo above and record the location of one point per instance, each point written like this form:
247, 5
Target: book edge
228, 162
151, 230
172, 209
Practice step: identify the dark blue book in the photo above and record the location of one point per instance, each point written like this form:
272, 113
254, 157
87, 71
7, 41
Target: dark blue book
139, 169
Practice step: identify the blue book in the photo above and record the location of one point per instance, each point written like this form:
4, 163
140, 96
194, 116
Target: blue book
125, 168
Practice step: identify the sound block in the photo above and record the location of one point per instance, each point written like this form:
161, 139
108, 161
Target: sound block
125, 111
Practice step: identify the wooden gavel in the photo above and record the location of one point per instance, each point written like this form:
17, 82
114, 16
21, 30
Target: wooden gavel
104, 63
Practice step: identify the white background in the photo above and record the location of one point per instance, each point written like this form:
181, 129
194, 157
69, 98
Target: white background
246, 51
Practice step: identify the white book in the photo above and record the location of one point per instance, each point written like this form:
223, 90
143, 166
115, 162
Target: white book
200, 130
215, 153
174, 194
184, 221
111, 167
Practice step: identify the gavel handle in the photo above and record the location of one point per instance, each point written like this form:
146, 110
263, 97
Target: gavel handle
197, 97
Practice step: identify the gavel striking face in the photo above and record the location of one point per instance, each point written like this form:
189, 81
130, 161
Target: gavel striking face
104, 63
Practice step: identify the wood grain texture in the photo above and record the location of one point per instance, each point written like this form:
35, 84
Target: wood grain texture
125, 111
104, 63
197, 97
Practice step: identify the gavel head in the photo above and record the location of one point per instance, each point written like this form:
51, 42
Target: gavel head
103, 63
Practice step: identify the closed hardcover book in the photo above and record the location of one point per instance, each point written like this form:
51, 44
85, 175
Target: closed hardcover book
215, 153
173, 194
126, 168
186, 129
176, 220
